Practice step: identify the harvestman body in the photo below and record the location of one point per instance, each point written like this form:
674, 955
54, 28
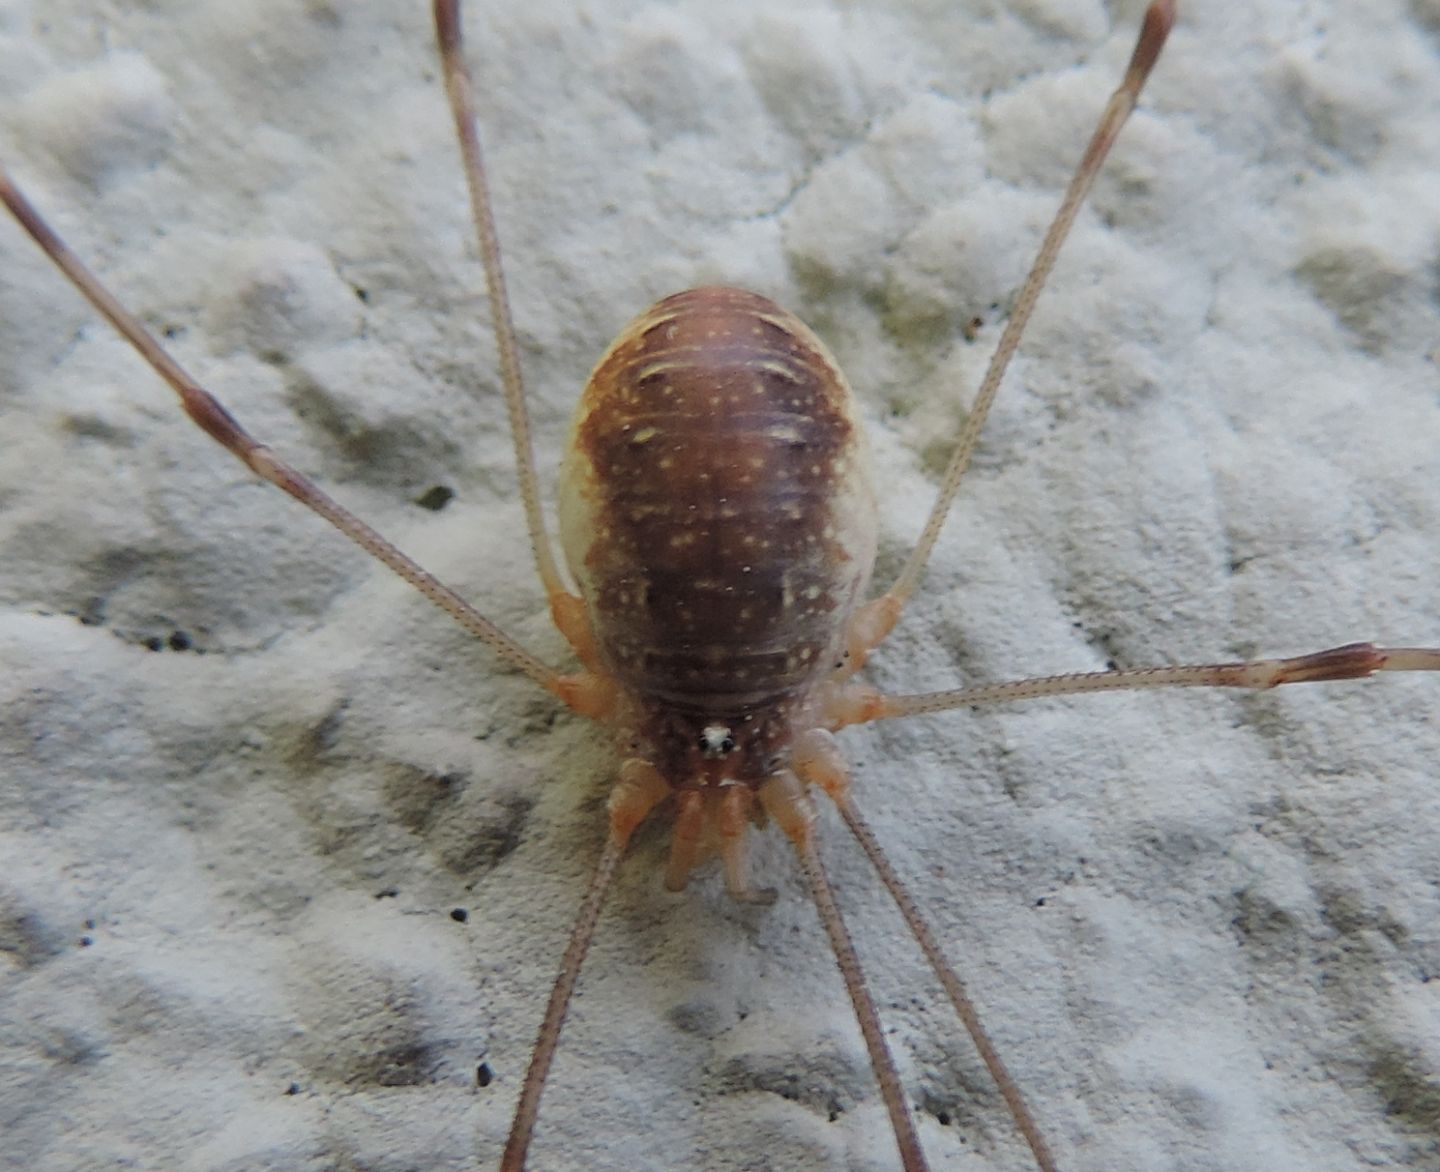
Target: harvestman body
719, 524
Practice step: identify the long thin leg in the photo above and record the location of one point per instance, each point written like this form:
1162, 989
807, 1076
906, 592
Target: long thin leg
817, 759
527, 1108
639, 790
885, 610
460, 89
1354, 661
784, 800
220, 425
951, 983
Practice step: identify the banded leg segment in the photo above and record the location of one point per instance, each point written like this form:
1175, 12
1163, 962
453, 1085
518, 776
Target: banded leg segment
874, 621
817, 759
637, 792
1353, 661
216, 421
567, 608
784, 799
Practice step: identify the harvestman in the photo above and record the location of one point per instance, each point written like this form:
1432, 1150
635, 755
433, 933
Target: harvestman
715, 750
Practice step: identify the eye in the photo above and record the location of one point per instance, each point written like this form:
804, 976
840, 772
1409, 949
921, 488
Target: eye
715, 741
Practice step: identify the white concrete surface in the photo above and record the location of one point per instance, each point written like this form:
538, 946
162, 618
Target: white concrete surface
1203, 928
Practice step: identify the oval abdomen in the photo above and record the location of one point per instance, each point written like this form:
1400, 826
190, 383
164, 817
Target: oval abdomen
716, 506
